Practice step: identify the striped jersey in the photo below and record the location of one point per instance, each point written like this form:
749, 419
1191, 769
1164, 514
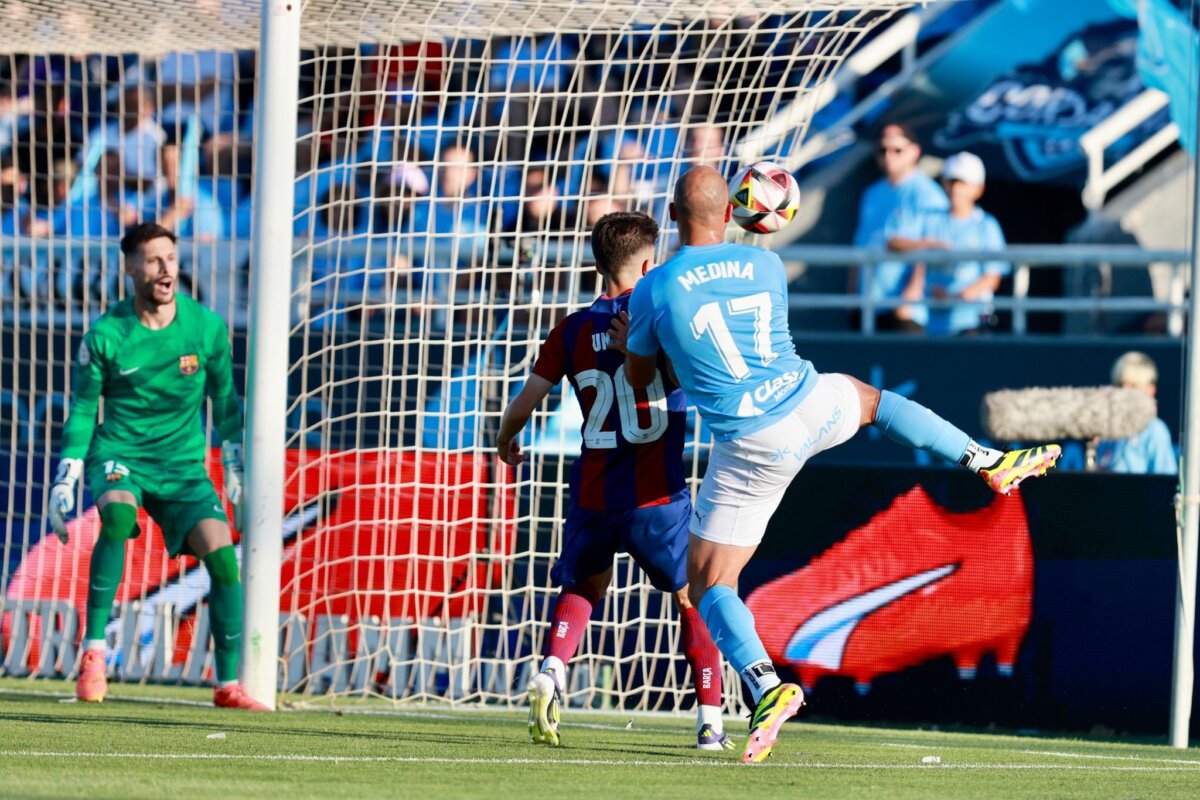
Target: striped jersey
632, 453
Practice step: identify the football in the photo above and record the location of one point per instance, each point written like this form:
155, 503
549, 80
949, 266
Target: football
764, 196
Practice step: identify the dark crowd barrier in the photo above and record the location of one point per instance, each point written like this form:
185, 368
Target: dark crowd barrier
951, 376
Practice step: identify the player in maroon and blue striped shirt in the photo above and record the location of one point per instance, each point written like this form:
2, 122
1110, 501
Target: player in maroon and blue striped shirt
628, 493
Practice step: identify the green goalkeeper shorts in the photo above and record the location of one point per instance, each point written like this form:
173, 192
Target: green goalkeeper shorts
176, 497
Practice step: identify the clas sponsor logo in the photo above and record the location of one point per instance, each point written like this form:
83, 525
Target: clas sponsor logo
773, 387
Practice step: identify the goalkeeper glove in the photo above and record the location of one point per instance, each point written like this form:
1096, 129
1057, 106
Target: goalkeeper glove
231, 459
62, 495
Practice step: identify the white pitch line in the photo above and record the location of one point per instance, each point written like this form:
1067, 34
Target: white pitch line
953, 746
497, 713
467, 713
1193, 761
607, 762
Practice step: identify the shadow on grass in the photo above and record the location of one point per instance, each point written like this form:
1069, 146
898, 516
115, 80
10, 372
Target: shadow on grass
269, 727
1098, 736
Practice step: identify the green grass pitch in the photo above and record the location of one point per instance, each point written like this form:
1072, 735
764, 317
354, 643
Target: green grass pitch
165, 743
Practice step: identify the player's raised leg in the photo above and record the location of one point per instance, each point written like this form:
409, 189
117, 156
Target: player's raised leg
118, 523
211, 541
713, 570
913, 425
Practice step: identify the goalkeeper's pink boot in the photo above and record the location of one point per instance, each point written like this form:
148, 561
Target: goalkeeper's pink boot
234, 697
92, 686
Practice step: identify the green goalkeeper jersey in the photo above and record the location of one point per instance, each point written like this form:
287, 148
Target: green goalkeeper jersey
153, 383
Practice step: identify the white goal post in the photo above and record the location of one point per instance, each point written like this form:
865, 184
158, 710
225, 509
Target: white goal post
423, 177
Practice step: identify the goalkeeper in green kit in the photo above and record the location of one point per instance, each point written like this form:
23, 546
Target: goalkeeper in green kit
153, 357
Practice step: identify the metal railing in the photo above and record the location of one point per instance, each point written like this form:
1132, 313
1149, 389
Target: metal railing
1024, 259
1100, 179
218, 273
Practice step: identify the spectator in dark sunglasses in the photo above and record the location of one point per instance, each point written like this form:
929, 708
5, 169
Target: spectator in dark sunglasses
903, 189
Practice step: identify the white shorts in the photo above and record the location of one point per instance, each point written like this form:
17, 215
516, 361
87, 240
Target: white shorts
746, 477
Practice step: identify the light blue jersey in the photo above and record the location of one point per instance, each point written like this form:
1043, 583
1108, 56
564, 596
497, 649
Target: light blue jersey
720, 314
1147, 452
980, 231
881, 200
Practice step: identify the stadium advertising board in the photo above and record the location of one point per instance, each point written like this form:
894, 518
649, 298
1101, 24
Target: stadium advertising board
1031, 118
921, 597
380, 544
913, 597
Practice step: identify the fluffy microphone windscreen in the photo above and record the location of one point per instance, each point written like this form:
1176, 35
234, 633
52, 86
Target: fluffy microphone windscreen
1067, 412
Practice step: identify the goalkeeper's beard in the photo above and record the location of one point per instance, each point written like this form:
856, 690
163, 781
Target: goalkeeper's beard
158, 292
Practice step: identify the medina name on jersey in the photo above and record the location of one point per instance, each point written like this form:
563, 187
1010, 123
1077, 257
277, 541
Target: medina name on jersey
720, 314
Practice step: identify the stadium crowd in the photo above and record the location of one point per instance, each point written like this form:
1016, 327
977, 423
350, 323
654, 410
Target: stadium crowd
68, 125
426, 158
411, 149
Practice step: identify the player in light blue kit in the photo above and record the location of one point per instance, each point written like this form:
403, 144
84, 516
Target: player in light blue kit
719, 311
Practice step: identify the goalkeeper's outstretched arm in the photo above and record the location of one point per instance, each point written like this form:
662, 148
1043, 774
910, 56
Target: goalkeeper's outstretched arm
517, 415
87, 384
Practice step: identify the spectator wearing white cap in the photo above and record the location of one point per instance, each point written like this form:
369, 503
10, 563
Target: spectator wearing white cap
965, 226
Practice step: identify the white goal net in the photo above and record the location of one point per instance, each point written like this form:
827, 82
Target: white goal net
450, 160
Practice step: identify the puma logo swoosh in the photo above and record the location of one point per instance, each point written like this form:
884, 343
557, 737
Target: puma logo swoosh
125, 372
822, 639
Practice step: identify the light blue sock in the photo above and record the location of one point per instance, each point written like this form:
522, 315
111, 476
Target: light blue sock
732, 627
913, 425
